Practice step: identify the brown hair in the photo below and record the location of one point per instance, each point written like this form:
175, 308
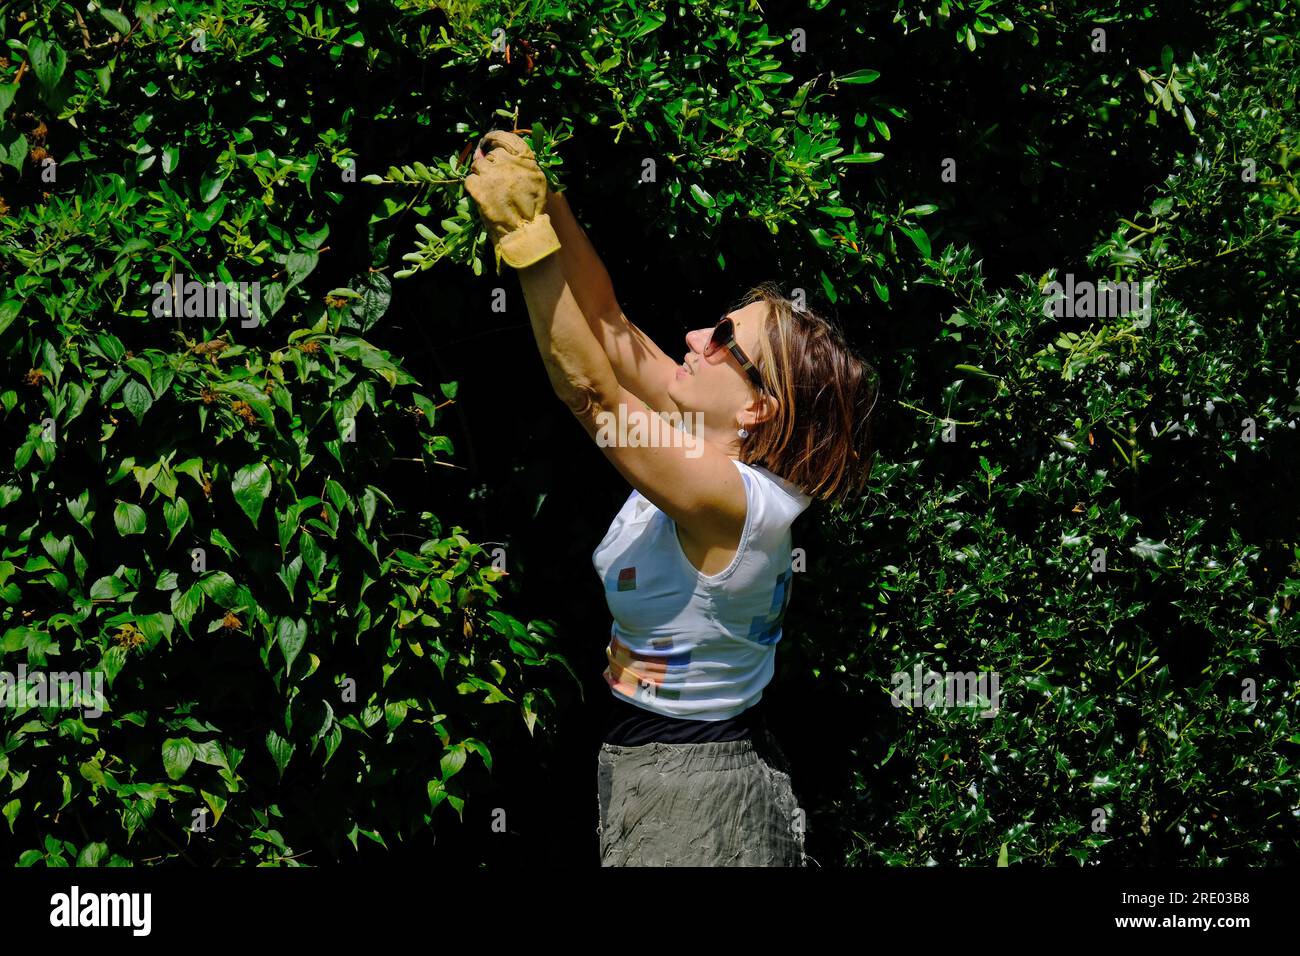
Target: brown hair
820, 437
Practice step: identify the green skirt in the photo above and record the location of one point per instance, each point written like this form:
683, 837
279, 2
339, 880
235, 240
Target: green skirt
726, 803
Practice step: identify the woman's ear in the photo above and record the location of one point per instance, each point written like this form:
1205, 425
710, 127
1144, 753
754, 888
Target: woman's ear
763, 408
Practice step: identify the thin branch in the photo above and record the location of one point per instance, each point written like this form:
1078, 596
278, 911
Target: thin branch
85, 34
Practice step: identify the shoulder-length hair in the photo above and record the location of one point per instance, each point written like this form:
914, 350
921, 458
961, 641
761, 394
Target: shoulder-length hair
820, 437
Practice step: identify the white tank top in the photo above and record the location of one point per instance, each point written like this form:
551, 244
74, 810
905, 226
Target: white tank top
687, 644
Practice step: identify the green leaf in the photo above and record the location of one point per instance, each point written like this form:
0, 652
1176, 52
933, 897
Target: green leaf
859, 76
859, 158
192, 467
205, 219
250, 393
48, 61
8, 312
1156, 551
1102, 783
372, 304
651, 20
177, 755
216, 803
976, 370
137, 398
220, 586
280, 749
92, 854
185, 604
701, 197
918, 237
439, 591
1041, 683
116, 20
251, 487
56, 548
291, 635
129, 518
828, 287
298, 266
177, 514
312, 555
13, 151
211, 182
452, 761
107, 587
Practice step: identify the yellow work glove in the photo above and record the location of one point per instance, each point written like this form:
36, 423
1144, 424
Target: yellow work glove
510, 189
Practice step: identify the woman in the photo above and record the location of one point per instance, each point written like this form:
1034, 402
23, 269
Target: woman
697, 563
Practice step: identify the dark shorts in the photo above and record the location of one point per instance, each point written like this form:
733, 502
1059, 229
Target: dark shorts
724, 803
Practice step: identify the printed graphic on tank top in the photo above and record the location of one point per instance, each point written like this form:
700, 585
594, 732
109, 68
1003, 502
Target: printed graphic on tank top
687, 644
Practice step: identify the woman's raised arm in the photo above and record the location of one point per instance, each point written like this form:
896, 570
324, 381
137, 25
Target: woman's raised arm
696, 484
639, 364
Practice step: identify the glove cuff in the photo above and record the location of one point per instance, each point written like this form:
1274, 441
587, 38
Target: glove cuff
529, 243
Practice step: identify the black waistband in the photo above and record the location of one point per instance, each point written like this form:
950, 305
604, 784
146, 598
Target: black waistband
628, 725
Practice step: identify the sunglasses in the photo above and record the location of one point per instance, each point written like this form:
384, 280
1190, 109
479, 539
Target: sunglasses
724, 337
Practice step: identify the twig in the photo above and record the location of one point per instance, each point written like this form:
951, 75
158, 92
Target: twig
1217, 255
1137, 227
934, 416
85, 34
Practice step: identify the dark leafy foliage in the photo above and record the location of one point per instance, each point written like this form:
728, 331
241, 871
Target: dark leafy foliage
297, 652
1097, 508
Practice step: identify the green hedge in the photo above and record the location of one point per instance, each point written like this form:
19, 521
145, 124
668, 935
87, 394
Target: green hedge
337, 665
300, 656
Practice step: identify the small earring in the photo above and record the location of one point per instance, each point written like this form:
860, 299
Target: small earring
742, 433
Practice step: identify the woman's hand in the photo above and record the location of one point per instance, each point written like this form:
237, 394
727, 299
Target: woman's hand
511, 191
